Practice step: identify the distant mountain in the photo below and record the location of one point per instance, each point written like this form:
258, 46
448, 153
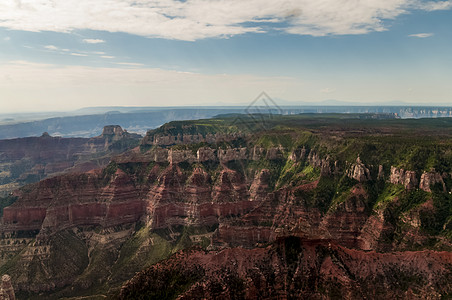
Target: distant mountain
92, 124
88, 122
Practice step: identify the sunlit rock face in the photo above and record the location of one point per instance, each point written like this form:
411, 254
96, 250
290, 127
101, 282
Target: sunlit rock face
359, 171
428, 179
406, 178
6, 289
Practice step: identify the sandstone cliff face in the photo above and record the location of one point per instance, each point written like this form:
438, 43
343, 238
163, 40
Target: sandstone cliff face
6, 289
298, 154
178, 156
206, 154
381, 173
113, 130
428, 179
258, 153
232, 154
410, 181
376, 229
359, 171
406, 178
317, 162
170, 197
152, 139
195, 200
71, 200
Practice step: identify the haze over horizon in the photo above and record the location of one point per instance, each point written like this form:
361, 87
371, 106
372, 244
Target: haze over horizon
64, 55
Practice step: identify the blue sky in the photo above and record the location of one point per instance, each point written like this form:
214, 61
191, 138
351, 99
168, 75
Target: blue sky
67, 54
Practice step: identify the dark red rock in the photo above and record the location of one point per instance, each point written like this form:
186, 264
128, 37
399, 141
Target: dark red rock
294, 267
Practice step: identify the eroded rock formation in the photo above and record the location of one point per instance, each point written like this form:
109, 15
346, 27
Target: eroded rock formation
428, 179
6, 289
406, 178
359, 171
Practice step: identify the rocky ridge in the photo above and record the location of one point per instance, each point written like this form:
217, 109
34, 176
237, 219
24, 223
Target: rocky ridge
291, 267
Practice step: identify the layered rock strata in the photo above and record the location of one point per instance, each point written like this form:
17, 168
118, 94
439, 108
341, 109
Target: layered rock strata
292, 267
152, 139
168, 195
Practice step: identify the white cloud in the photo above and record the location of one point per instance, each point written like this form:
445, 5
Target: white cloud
75, 52
6, 38
198, 19
78, 54
421, 35
51, 47
93, 41
130, 64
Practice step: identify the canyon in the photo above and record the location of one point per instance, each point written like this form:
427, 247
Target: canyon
27, 160
260, 214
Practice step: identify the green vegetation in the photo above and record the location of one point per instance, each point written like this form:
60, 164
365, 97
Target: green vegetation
203, 127
323, 194
409, 200
272, 140
133, 256
139, 171
68, 258
388, 194
435, 222
146, 247
108, 172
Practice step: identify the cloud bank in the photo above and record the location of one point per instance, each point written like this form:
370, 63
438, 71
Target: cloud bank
198, 19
